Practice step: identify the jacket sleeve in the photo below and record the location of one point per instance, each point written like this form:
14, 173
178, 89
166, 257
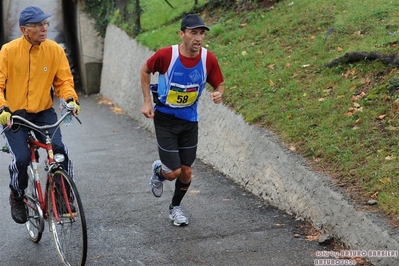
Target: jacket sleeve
63, 80
3, 76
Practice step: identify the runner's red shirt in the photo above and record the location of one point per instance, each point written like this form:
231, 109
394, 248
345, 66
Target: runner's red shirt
159, 62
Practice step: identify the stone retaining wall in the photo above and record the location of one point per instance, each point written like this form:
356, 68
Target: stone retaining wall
250, 156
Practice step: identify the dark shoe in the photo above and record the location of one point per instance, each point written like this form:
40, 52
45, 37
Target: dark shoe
18, 209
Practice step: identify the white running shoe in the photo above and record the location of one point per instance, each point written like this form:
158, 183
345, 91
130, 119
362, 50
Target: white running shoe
155, 182
177, 216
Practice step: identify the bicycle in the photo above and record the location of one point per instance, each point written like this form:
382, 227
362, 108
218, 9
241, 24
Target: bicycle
59, 202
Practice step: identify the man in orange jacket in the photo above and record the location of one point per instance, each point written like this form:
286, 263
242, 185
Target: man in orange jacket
30, 67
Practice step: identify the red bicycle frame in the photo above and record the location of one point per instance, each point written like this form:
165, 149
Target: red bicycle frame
33, 144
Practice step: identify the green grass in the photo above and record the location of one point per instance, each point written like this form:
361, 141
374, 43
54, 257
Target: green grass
274, 61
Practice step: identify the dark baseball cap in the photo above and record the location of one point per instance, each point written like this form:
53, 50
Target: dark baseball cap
192, 21
32, 14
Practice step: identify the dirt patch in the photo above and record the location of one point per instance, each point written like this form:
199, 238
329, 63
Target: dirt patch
212, 14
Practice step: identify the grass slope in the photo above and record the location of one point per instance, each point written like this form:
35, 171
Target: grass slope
343, 119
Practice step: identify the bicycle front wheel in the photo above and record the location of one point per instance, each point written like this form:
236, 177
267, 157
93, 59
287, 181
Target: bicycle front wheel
66, 219
35, 222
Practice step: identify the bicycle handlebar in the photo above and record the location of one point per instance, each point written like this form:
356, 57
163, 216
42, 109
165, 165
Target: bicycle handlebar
24, 122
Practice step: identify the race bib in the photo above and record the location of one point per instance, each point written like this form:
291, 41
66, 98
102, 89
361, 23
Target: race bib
182, 96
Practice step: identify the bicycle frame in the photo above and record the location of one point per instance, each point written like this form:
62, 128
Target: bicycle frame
34, 144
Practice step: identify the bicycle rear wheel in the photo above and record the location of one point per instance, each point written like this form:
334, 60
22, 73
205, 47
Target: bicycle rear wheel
69, 230
35, 222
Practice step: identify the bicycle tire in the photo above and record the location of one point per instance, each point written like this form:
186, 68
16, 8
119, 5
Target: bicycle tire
35, 222
70, 234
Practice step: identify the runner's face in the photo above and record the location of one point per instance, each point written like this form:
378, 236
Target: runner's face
35, 33
193, 39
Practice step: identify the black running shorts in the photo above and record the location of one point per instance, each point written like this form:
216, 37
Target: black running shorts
177, 140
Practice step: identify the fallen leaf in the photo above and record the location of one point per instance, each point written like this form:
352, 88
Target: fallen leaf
381, 117
105, 101
117, 110
244, 53
348, 114
385, 180
313, 237
359, 96
296, 73
390, 158
375, 195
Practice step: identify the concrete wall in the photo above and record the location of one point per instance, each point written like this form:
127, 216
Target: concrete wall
251, 156
4, 8
91, 47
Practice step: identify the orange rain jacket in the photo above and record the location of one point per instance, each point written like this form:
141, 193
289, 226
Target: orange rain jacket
28, 72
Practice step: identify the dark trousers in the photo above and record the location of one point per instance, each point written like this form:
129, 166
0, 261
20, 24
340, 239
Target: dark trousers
20, 152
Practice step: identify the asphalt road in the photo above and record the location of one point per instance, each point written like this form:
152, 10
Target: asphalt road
127, 225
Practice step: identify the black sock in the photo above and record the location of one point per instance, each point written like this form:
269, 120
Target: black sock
180, 191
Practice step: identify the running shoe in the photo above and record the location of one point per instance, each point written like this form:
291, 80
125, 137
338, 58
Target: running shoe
155, 182
177, 216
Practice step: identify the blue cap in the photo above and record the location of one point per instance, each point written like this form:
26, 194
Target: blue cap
32, 14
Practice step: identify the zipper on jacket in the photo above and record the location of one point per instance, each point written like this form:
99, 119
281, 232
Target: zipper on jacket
27, 92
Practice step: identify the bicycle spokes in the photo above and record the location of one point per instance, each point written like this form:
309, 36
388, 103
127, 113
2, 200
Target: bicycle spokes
35, 222
67, 221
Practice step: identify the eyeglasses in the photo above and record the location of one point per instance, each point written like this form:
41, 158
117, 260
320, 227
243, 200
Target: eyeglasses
38, 25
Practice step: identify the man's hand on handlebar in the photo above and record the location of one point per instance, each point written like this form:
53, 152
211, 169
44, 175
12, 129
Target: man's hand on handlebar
5, 116
76, 109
